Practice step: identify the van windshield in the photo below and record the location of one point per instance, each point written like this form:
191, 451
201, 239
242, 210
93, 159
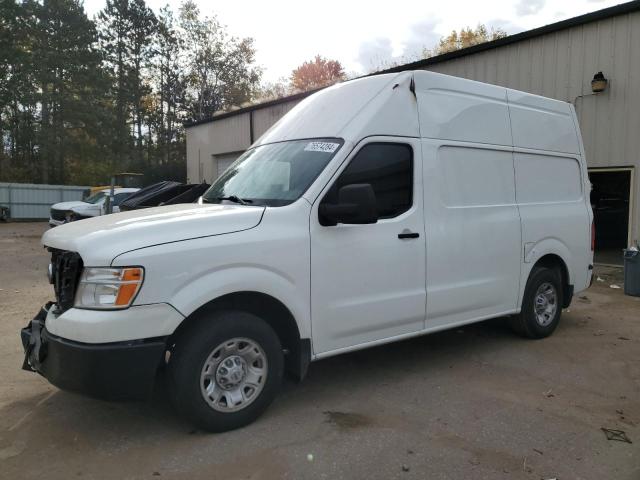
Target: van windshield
274, 175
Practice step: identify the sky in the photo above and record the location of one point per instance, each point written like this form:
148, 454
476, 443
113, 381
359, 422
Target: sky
364, 34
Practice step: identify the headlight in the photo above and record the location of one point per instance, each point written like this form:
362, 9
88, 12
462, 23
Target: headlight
108, 288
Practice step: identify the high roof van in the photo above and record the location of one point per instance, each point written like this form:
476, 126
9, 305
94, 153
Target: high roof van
376, 210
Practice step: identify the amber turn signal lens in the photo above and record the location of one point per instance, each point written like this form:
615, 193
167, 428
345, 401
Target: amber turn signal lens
130, 282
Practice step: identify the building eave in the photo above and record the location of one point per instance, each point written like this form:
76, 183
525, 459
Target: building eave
256, 106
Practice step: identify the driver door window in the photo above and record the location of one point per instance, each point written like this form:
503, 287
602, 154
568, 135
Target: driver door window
388, 168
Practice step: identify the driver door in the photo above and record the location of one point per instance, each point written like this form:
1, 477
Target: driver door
368, 281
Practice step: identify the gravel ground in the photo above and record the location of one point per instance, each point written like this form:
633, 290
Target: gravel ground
472, 403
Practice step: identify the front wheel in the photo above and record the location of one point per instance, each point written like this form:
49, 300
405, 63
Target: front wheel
541, 304
226, 370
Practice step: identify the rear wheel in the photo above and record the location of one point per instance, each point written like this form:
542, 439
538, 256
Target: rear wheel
541, 304
225, 371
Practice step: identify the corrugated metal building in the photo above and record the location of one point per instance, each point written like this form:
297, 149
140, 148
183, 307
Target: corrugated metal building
557, 60
28, 201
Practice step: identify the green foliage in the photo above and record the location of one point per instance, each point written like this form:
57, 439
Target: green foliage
81, 99
467, 37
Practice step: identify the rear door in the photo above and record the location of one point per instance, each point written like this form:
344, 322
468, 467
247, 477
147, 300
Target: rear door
368, 281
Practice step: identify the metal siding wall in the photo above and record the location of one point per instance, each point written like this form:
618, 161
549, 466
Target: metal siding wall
264, 118
586, 106
620, 69
632, 112
32, 202
230, 134
632, 100
193, 151
562, 64
502, 75
549, 65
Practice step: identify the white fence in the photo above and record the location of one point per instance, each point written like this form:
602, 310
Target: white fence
28, 201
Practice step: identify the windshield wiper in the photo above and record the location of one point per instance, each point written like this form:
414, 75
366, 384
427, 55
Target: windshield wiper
236, 199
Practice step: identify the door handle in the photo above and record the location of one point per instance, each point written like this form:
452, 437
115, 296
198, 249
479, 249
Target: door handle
408, 234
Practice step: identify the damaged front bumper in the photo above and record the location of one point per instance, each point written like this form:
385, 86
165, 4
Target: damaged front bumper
112, 371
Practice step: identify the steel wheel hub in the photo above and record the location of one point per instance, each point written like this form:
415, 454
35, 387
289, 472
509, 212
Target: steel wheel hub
233, 375
545, 304
231, 371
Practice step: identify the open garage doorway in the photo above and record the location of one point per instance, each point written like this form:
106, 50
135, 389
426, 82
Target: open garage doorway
611, 200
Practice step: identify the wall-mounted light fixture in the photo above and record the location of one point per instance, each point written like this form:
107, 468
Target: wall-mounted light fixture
599, 83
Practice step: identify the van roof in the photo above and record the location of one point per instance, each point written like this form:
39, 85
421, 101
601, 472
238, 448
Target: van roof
430, 105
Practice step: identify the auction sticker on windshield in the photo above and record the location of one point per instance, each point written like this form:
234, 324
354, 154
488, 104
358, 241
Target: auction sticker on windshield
326, 147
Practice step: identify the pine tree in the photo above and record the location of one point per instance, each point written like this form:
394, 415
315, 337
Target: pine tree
18, 102
114, 27
144, 24
67, 72
126, 27
170, 86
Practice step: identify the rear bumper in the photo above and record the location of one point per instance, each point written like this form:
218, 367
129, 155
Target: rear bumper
111, 371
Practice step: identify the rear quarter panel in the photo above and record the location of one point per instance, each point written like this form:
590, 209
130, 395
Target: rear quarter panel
552, 187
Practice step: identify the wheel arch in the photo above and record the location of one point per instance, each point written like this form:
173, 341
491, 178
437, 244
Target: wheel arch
275, 313
552, 260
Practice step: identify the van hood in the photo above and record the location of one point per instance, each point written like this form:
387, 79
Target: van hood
99, 240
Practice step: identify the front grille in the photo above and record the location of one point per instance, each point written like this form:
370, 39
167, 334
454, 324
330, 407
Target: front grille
58, 214
66, 270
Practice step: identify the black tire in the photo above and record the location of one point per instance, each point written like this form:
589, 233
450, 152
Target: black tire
191, 351
526, 323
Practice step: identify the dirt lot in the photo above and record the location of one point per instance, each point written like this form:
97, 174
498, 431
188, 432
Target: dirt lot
472, 403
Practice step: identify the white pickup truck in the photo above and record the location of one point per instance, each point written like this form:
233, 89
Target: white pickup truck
93, 206
376, 210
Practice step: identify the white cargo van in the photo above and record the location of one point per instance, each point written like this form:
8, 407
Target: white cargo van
376, 210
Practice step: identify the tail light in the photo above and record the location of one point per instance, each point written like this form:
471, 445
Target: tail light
593, 235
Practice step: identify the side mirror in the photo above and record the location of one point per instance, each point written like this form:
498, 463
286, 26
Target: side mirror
356, 205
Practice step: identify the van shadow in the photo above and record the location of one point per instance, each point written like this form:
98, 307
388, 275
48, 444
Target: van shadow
70, 416
391, 362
